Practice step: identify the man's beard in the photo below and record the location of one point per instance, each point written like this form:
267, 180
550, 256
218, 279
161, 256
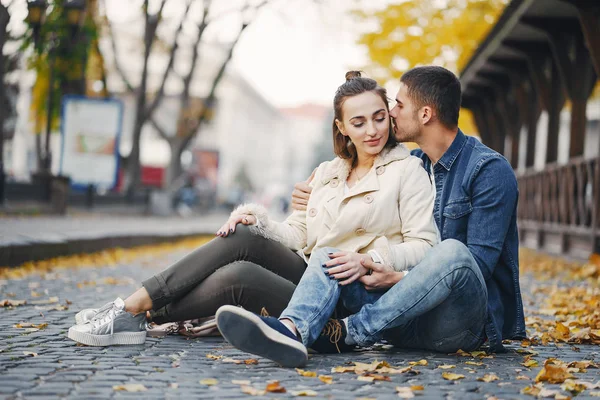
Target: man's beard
403, 135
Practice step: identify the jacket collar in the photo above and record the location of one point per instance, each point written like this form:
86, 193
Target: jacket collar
453, 151
340, 168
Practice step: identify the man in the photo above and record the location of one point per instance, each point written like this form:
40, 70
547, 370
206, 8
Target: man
476, 264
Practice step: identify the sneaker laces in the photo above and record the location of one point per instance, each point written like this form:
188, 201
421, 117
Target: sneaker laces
102, 311
333, 329
108, 317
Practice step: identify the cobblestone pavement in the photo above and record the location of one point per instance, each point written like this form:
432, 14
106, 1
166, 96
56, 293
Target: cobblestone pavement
46, 364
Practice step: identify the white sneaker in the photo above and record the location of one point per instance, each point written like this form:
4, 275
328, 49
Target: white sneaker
113, 326
86, 315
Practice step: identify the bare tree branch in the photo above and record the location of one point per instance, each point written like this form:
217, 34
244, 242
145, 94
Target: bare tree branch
161, 132
118, 67
161, 90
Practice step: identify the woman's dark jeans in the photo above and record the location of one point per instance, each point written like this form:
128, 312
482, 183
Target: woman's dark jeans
242, 269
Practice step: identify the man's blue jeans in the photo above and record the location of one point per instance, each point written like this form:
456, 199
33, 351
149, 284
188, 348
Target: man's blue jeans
440, 305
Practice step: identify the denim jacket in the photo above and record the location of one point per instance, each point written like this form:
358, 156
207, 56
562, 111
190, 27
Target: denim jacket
476, 203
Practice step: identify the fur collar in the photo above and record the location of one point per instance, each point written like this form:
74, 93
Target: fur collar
340, 168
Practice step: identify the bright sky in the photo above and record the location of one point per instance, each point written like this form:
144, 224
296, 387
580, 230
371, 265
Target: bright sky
295, 52
302, 55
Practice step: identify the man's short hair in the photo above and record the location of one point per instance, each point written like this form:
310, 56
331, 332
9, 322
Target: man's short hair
435, 87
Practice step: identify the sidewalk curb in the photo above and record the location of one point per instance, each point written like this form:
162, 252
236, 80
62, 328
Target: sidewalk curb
15, 254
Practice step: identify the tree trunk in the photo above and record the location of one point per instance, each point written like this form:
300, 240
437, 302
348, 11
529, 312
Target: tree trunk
173, 170
4, 18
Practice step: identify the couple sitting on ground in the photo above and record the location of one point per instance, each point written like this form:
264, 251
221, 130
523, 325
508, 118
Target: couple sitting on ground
419, 250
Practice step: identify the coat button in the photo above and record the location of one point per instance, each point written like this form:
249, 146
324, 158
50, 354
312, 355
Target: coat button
368, 199
312, 212
380, 170
360, 231
334, 182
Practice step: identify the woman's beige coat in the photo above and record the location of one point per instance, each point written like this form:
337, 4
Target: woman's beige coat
390, 210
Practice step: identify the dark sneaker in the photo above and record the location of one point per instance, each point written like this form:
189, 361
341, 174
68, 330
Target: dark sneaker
264, 336
115, 326
332, 339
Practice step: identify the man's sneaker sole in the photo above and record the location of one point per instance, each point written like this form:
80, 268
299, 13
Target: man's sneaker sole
247, 332
107, 340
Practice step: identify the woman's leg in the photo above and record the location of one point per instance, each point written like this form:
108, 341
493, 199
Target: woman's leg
240, 283
186, 274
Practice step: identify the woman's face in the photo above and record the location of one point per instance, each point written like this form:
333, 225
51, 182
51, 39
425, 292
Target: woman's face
365, 120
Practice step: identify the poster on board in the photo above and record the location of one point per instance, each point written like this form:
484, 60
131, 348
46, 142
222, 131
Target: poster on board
90, 131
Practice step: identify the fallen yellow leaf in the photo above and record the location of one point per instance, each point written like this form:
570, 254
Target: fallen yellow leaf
12, 303
404, 392
251, 361
304, 393
417, 387
365, 378
213, 357
275, 387
452, 377
209, 381
488, 378
553, 373
479, 364
241, 383
326, 379
530, 363
29, 353
446, 366
130, 387
420, 362
308, 374
252, 391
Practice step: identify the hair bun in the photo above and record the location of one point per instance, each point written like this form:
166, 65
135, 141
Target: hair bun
352, 75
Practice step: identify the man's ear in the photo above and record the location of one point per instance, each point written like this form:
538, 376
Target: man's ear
426, 115
340, 126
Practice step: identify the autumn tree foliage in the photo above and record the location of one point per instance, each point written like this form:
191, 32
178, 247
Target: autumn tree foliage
416, 32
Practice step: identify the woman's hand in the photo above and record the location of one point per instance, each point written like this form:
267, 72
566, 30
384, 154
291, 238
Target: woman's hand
229, 226
381, 277
346, 267
301, 193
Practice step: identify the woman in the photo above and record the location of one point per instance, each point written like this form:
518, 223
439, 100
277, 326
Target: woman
374, 200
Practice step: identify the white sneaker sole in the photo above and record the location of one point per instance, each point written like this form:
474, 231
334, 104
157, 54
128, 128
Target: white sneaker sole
247, 332
107, 340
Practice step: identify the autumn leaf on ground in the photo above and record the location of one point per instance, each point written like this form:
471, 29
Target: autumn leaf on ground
417, 387
209, 381
420, 362
252, 391
12, 303
251, 361
303, 393
404, 392
29, 325
308, 374
328, 379
479, 364
241, 383
585, 364
213, 357
446, 366
527, 351
378, 377
51, 300
365, 378
275, 387
529, 362
553, 373
231, 360
488, 378
523, 378
130, 387
574, 387
452, 377
29, 353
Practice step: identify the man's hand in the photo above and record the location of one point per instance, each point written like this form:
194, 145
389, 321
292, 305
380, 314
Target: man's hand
346, 267
229, 226
301, 193
382, 276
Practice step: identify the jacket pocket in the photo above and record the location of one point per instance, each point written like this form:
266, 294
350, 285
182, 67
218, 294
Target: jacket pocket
456, 215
